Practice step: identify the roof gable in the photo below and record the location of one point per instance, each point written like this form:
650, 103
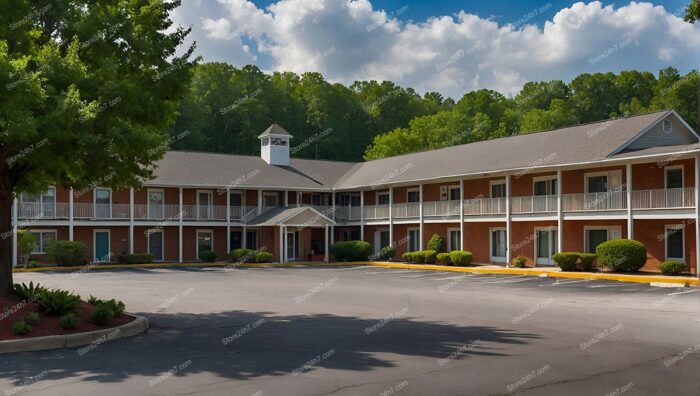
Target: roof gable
658, 135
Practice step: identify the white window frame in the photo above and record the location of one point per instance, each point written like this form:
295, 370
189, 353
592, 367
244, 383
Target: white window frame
675, 228
378, 238
148, 200
547, 178
272, 194
497, 182
203, 231
610, 230
410, 241
410, 190
674, 167
607, 174
162, 245
94, 244
378, 193
94, 195
209, 205
41, 232
553, 246
497, 259
449, 238
449, 192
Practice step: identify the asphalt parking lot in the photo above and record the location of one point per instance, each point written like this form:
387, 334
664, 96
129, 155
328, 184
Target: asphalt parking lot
369, 330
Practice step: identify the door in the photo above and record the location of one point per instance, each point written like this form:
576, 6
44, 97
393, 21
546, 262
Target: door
413, 240
291, 245
546, 246
236, 239
381, 239
204, 204
155, 204
498, 245
101, 248
155, 245
236, 206
103, 201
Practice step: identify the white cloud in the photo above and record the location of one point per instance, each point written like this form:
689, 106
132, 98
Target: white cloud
350, 40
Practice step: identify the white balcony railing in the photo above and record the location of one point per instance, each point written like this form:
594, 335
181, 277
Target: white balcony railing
490, 206
534, 204
376, 212
611, 200
664, 199
405, 210
441, 208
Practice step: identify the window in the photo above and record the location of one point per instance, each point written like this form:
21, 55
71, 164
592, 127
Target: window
413, 240
41, 240
278, 141
454, 194
545, 186
601, 182
316, 199
265, 141
355, 200
271, 199
498, 244
675, 242
674, 177
204, 199
594, 236
453, 239
103, 200
413, 195
382, 198
251, 239
205, 241
155, 203
38, 205
498, 189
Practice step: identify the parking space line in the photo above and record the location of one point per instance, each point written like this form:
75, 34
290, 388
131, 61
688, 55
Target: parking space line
455, 277
525, 279
416, 276
683, 292
557, 283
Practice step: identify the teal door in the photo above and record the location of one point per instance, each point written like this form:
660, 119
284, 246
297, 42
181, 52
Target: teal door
102, 246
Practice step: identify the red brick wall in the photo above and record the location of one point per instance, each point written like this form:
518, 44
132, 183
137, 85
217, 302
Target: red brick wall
651, 176
652, 234
573, 181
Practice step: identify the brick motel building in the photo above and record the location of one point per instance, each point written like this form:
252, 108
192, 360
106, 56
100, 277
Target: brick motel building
568, 189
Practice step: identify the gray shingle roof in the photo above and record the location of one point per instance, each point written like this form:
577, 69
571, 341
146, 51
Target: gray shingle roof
275, 129
278, 216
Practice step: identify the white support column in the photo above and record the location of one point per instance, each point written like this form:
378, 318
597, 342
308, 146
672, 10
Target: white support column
71, 215
326, 255
362, 215
461, 214
285, 244
509, 250
286, 198
628, 187
391, 218
697, 214
180, 221
131, 221
15, 230
260, 202
244, 237
560, 214
420, 216
333, 211
298, 199
281, 255
228, 220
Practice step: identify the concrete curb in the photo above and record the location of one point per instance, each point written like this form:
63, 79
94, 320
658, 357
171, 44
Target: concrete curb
98, 337
85, 268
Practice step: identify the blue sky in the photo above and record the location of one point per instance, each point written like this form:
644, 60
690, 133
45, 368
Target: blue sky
446, 46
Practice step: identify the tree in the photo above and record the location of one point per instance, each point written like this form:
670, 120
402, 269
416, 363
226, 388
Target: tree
692, 12
25, 245
88, 91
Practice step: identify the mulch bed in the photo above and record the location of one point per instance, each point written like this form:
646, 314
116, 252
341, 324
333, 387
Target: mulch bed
48, 325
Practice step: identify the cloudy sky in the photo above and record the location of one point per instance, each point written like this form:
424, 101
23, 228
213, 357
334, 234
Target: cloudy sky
447, 46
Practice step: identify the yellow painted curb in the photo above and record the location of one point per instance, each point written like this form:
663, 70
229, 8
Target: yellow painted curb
86, 268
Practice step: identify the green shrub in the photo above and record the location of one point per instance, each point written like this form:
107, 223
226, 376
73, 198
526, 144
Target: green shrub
673, 267
32, 318
436, 243
33, 264
116, 306
207, 256
58, 302
93, 300
264, 257
622, 255
519, 262
21, 327
444, 258
386, 253
102, 314
413, 257
566, 260
243, 255
30, 292
67, 252
138, 258
429, 256
68, 321
586, 261
351, 251
461, 257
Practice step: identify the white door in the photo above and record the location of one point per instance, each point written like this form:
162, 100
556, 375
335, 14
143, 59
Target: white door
291, 245
545, 246
498, 245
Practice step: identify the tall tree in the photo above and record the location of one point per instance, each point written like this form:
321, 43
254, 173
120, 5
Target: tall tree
89, 88
692, 12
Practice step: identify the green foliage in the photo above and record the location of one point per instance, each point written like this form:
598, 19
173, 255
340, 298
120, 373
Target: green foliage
58, 302
116, 306
93, 300
264, 257
33, 264
68, 321
586, 261
692, 12
673, 267
567, 260
137, 258
461, 257
622, 255
25, 242
444, 258
21, 327
243, 256
429, 256
102, 314
207, 256
67, 252
436, 243
351, 251
32, 318
519, 262
28, 292
386, 253
413, 257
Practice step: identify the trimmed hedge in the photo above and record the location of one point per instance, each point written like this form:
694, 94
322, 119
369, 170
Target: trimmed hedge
264, 257
351, 251
622, 255
207, 256
567, 260
138, 258
673, 267
67, 252
243, 255
413, 257
386, 253
461, 257
444, 258
436, 243
586, 261
519, 262
429, 256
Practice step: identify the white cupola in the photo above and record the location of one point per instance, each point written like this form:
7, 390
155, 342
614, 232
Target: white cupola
274, 145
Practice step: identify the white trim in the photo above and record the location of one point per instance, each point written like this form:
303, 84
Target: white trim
94, 244
449, 239
607, 174
497, 259
495, 182
645, 130
451, 188
378, 193
162, 244
40, 232
552, 230
549, 185
202, 231
410, 190
148, 200
676, 227
608, 229
674, 167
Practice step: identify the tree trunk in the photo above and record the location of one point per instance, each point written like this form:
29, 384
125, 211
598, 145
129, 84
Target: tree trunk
5, 244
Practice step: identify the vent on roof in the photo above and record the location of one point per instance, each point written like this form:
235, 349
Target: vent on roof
667, 126
274, 145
